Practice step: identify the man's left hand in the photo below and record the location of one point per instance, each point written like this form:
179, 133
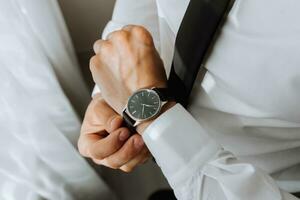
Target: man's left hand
125, 62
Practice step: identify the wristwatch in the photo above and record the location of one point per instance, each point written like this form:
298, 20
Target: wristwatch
143, 105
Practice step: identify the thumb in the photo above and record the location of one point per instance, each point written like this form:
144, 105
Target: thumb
105, 115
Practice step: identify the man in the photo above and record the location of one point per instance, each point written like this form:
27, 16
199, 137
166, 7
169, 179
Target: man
239, 137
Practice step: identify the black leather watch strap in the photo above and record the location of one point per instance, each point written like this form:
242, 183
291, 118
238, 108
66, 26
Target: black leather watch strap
129, 122
164, 94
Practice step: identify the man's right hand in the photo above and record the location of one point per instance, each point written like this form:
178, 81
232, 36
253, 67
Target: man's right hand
106, 142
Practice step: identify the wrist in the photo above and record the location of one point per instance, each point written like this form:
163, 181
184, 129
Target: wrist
143, 126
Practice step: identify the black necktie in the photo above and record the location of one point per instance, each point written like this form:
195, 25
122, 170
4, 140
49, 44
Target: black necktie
195, 36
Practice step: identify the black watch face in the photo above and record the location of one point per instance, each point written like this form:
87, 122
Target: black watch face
143, 104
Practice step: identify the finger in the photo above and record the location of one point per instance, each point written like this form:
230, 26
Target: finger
99, 45
129, 150
136, 161
99, 119
99, 116
84, 141
108, 145
140, 33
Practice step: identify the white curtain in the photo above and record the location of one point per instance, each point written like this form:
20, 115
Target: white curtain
38, 125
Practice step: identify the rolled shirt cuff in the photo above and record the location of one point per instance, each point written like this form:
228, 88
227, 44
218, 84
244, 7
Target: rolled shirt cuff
179, 144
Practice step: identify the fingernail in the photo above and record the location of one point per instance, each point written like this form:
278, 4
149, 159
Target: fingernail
123, 135
138, 143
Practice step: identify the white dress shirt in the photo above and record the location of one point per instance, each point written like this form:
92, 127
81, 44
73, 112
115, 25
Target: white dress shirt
240, 137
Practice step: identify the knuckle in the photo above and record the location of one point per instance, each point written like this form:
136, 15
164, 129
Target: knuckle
101, 46
97, 45
120, 36
111, 164
123, 129
114, 124
98, 162
95, 153
142, 33
135, 137
110, 119
139, 30
127, 169
94, 63
95, 156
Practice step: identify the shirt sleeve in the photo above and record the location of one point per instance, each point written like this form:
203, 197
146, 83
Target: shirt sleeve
141, 12
199, 168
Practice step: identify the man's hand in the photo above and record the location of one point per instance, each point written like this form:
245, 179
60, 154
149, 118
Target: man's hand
106, 142
125, 62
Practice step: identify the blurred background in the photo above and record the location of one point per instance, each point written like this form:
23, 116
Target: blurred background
86, 21
45, 88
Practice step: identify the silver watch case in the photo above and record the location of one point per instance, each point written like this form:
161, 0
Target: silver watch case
137, 120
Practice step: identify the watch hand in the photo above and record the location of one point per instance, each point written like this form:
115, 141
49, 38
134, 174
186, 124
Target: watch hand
148, 105
143, 109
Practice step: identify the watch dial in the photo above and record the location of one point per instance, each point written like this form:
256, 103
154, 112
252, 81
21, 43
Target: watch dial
143, 104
